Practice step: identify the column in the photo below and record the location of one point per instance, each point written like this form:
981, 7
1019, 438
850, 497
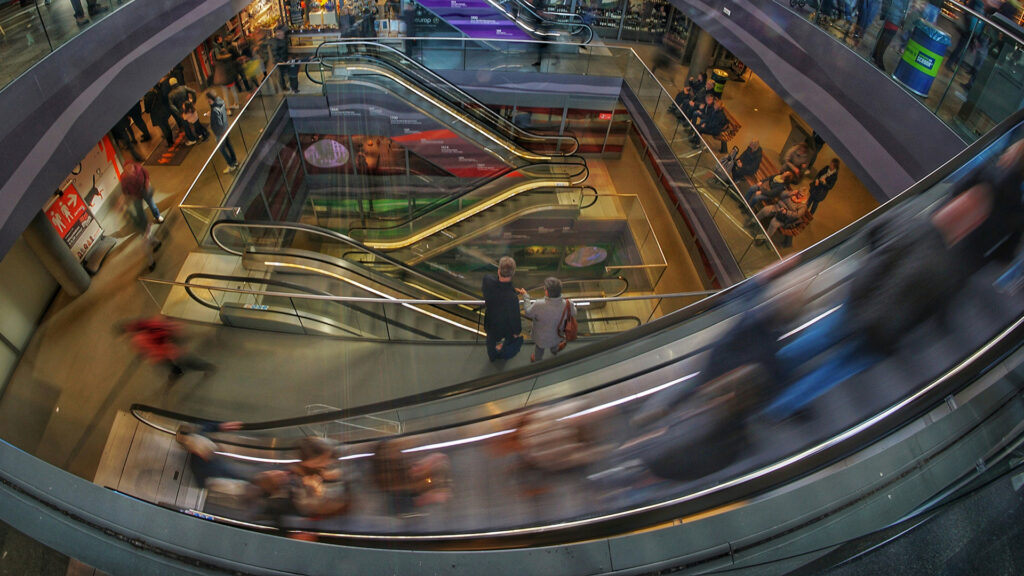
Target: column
703, 50
55, 255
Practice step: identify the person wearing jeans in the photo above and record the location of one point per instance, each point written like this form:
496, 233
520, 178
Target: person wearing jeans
80, 17
219, 125
136, 186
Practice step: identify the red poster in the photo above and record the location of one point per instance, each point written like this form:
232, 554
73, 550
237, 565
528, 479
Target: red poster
71, 218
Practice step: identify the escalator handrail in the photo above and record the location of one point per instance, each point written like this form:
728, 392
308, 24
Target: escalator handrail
584, 172
323, 232
733, 490
228, 278
425, 72
622, 279
475, 117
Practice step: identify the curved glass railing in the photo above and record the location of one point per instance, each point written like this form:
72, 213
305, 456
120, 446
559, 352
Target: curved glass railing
976, 80
30, 31
346, 57
607, 415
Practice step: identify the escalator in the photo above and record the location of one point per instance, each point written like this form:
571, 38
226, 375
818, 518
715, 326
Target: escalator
307, 261
437, 216
489, 19
792, 479
286, 306
380, 65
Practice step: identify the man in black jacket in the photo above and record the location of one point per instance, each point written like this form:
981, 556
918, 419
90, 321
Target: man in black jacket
502, 321
159, 113
823, 182
176, 97
712, 122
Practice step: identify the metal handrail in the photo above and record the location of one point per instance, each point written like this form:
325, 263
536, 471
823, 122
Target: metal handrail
231, 126
574, 178
580, 302
1013, 33
321, 232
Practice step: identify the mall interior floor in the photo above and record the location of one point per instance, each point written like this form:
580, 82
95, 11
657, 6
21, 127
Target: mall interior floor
764, 115
78, 372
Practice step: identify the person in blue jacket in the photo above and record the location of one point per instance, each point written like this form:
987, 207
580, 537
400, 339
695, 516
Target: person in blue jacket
219, 125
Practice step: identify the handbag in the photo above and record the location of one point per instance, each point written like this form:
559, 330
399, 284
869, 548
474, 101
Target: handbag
568, 327
511, 347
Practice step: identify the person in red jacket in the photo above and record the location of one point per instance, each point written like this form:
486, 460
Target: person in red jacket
159, 340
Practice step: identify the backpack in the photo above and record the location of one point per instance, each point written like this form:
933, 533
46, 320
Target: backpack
568, 328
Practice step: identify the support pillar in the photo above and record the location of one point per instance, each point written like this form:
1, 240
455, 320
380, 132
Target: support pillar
703, 50
55, 255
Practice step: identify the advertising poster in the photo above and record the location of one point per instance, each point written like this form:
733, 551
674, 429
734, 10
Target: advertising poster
96, 175
72, 219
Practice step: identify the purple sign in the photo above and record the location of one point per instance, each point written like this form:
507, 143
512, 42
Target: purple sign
476, 19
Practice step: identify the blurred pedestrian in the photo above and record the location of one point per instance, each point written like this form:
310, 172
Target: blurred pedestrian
191, 115
225, 70
136, 186
122, 133
93, 7
161, 341
205, 462
289, 72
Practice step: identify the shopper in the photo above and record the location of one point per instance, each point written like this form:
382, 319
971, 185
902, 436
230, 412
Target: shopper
894, 13
219, 125
549, 315
159, 113
797, 159
191, 115
136, 115
205, 461
289, 72
122, 133
501, 319
135, 185
225, 71
176, 97
822, 184
80, 17
160, 340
